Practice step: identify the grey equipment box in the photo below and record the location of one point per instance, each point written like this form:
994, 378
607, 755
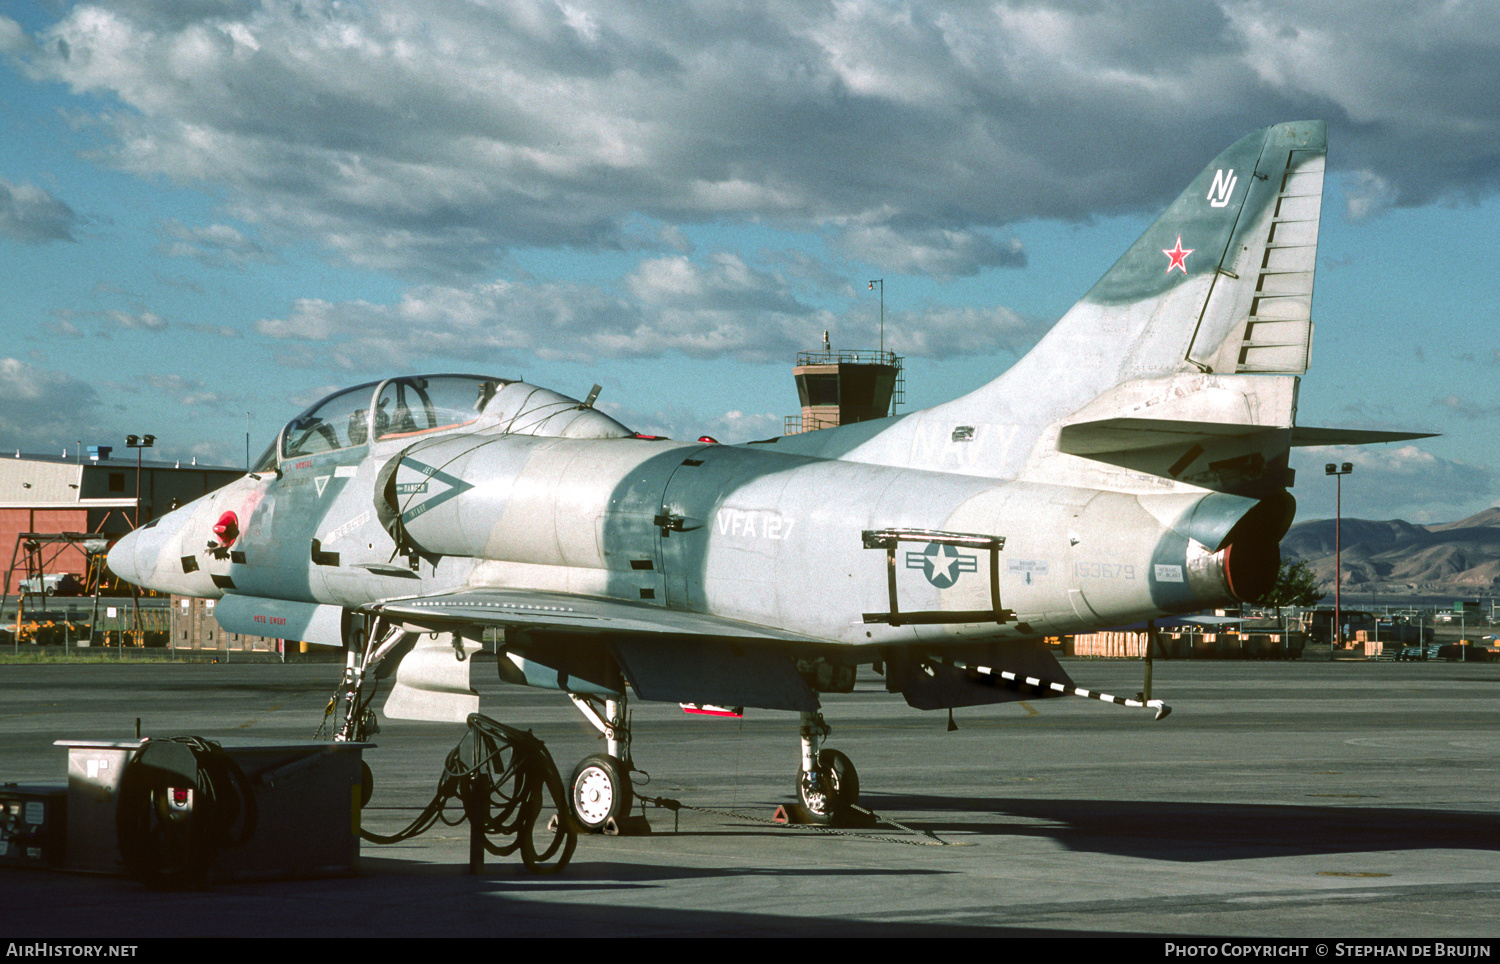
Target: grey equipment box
307, 795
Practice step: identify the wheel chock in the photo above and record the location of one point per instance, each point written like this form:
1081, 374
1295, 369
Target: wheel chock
849, 818
632, 826
556, 822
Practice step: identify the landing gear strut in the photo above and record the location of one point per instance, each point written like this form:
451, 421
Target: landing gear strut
600, 790
354, 720
827, 784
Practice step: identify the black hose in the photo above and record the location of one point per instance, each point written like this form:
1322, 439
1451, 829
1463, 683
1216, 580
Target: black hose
182, 801
516, 772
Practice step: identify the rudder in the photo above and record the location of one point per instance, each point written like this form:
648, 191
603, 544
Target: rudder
1222, 280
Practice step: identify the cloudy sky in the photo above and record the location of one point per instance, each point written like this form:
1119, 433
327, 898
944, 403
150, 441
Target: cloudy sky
212, 212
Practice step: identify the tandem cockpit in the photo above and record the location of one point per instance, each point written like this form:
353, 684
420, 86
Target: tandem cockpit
397, 411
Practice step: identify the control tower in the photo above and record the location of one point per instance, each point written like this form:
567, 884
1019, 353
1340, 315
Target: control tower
840, 387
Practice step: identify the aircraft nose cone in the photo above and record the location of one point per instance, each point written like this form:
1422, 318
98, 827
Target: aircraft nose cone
124, 555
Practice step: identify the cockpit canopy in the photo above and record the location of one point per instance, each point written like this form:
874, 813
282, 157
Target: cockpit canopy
418, 405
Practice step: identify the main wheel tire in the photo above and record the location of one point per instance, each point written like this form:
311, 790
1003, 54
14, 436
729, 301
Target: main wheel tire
845, 777
600, 790
830, 790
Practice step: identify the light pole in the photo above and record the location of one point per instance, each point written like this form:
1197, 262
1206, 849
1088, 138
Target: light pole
1338, 472
138, 442
873, 283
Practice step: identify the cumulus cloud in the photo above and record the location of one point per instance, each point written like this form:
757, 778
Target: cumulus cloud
217, 245
138, 321
939, 252
222, 331
1368, 193
31, 215
491, 321
181, 389
723, 308
731, 427
38, 406
62, 325
1467, 408
1389, 481
949, 332
192, 395
430, 138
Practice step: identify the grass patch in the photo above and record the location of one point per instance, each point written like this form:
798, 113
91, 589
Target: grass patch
108, 656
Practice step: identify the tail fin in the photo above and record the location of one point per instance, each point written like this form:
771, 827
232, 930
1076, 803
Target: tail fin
1258, 314
1205, 324
1222, 282
1220, 285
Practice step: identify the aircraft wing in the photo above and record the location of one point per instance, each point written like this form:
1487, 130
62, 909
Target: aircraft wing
680, 657
530, 609
667, 655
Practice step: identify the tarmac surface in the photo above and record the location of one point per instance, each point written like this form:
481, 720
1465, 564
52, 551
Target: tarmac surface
1321, 800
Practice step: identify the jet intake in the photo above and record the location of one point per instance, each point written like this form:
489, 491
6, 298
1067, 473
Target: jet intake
424, 497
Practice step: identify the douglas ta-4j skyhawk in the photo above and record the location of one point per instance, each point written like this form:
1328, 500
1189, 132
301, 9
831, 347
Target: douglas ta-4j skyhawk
1132, 465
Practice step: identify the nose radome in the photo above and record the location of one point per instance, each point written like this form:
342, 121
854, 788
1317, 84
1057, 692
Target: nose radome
141, 557
122, 557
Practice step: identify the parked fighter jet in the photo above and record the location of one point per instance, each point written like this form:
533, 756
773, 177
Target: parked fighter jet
1132, 465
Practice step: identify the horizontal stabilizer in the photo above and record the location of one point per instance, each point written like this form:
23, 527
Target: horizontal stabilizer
1351, 436
1129, 434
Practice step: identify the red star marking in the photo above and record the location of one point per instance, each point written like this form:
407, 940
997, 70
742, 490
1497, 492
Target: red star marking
1177, 256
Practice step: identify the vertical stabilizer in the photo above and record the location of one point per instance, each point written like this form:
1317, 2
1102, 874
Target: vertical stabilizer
1222, 281
1205, 321
1259, 313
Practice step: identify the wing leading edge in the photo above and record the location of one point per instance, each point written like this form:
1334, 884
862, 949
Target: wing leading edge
583, 643
530, 609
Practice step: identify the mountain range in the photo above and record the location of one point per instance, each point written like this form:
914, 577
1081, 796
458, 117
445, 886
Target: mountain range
1459, 559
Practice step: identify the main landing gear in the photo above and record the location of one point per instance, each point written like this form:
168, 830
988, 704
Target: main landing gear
601, 797
827, 783
600, 793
